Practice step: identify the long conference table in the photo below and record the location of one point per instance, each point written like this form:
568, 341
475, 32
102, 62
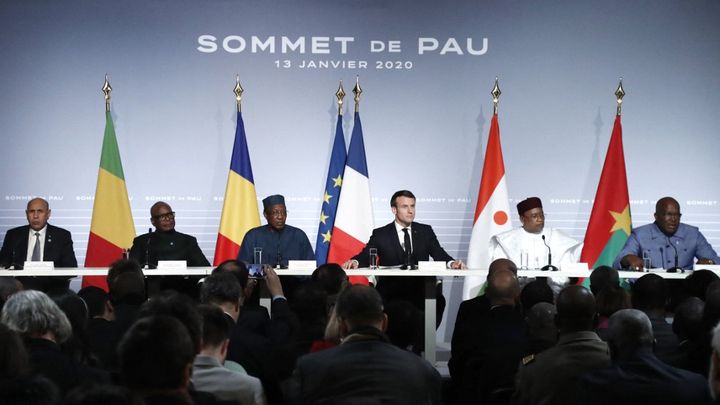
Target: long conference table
430, 298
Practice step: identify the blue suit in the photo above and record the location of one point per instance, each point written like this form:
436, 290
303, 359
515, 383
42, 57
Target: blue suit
649, 239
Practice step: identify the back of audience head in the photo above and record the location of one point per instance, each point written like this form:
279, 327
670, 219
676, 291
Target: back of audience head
235, 267
180, 307
8, 287
628, 331
501, 264
534, 292
223, 290
34, 315
126, 282
331, 276
502, 288
649, 293
711, 312
698, 281
156, 353
603, 276
688, 319
216, 329
14, 360
540, 320
576, 310
97, 301
610, 300
309, 303
360, 306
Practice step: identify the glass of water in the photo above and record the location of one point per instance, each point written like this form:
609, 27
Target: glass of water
257, 255
373, 258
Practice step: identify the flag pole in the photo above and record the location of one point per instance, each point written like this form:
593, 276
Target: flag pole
357, 90
619, 94
106, 89
238, 90
495, 96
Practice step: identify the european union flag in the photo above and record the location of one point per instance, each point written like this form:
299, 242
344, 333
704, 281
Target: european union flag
331, 195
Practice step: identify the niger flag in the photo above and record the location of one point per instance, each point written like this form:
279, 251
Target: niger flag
112, 228
610, 223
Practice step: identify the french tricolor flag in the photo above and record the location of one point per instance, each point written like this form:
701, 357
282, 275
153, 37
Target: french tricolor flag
354, 220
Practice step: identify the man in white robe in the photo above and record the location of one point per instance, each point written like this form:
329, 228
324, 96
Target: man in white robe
529, 240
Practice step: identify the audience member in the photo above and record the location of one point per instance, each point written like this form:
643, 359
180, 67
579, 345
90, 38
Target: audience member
697, 282
365, 367
44, 327
542, 332
209, 375
650, 295
331, 276
636, 375
603, 276
714, 374
534, 292
550, 377
180, 307
405, 325
104, 394
78, 345
101, 327
17, 384
689, 328
8, 287
609, 300
484, 362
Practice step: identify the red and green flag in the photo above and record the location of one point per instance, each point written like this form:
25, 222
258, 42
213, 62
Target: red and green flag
112, 228
610, 224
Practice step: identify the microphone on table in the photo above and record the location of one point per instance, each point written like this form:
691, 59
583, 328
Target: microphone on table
549, 266
675, 268
147, 249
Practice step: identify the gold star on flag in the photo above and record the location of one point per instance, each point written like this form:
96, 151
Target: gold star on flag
323, 217
327, 197
326, 236
622, 220
338, 181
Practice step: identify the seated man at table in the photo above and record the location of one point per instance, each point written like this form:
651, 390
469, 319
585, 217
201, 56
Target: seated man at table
167, 244
531, 239
666, 243
403, 242
38, 241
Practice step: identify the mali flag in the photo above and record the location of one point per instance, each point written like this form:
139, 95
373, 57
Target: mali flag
112, 228
240, 207
610, 223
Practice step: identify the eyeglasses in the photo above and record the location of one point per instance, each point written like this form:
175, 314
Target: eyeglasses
166, 216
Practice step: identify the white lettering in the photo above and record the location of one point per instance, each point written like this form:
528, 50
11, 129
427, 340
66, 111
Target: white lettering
451, 46
394, 46
343, 43
288, 46
320, 45
427, 44
207, 44
472, 51
236, 38
257, 44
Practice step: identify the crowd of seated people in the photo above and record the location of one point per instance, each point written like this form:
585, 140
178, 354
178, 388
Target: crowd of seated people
643, 341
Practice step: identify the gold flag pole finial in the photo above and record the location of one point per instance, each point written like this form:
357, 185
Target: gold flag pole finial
357, 90
619, 94
106, 89
238, 90
340, 94
495, 96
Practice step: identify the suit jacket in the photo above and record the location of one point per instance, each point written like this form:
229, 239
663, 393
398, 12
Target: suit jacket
643, 379
58, 247
391, 253
369, 371
170, 245
210, 376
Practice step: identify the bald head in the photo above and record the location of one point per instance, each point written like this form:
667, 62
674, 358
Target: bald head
503, 288
501, 264
575, 309
629, 330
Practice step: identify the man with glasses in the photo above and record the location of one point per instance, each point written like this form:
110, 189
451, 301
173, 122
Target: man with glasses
661, 243
526, 246
278, 241
166, 243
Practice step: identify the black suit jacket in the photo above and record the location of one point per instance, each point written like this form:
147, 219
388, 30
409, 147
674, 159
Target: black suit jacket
58, 247
170, 245
390, 253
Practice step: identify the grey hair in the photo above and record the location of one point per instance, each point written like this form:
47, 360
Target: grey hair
630, 328
32, 313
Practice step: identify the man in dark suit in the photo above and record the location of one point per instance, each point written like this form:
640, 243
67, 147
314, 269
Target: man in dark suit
636, 375
366, 368
38, 241
403, 242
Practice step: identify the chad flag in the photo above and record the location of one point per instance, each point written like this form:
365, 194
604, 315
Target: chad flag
112, 228
240, 208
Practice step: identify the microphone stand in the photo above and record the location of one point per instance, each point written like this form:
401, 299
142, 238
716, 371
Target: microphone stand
147, 249
549, 266
676, 268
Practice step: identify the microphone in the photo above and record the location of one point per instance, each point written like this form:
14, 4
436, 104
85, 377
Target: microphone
549, 266
278, 258
147, 249
676, 268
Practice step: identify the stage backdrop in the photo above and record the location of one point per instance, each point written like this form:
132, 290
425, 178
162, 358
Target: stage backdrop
426, 68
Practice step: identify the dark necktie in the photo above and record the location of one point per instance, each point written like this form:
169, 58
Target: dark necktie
406, 242
36, 250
